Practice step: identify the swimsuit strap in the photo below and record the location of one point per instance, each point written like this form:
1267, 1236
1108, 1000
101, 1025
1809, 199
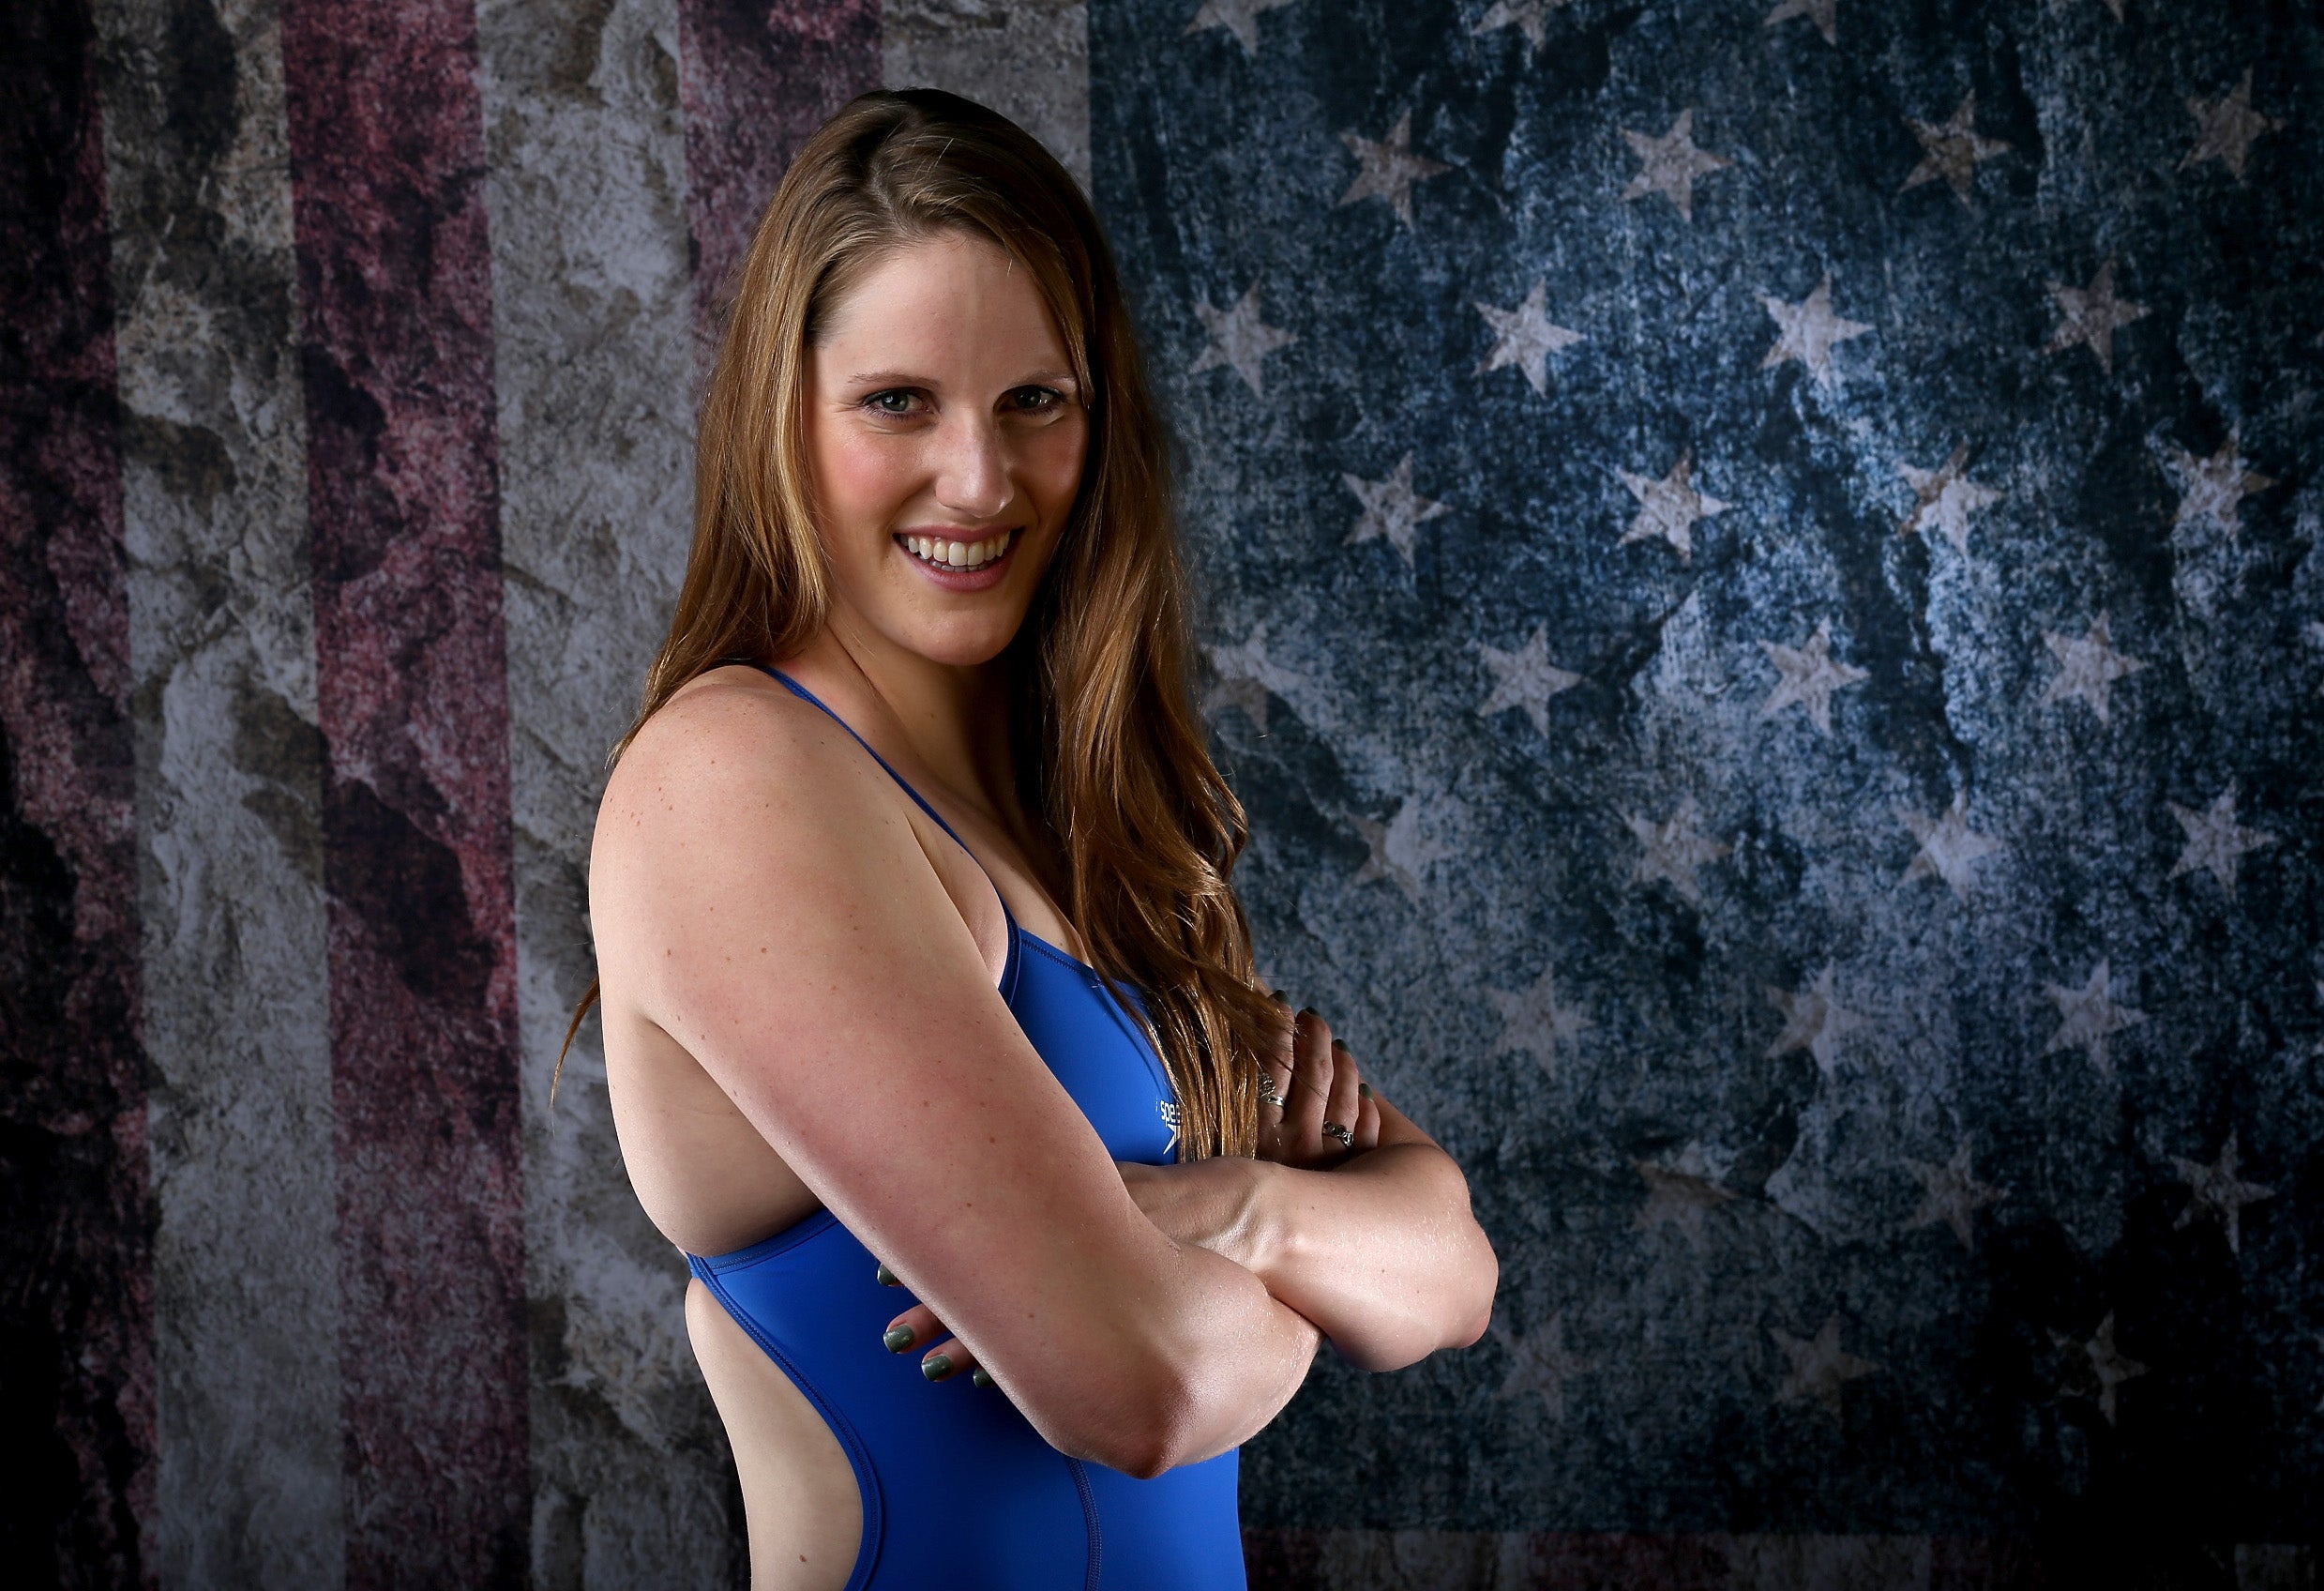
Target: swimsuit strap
803, 694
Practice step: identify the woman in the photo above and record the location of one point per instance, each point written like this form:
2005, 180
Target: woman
915, 937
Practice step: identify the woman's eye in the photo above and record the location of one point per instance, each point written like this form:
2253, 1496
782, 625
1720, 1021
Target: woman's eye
895, 401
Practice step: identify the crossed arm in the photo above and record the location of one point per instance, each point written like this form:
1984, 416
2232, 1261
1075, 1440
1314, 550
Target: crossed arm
764, 899
1373, 1243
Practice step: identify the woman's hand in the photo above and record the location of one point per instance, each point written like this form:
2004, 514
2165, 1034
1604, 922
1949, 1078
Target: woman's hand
946, 1357
1315, 1111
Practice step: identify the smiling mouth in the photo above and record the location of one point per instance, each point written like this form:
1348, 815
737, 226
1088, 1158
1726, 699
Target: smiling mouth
961, 556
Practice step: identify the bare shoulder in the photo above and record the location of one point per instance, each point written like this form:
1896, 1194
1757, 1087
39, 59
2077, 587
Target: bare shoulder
732, 736
740, 810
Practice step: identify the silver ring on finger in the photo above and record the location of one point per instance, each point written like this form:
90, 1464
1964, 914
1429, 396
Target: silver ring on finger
1267, 1096
1345, 1135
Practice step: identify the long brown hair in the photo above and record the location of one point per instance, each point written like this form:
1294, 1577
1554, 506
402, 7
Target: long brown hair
1111, 752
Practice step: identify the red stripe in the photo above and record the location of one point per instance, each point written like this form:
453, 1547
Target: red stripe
76, 1204
387, 166
1315, 1560
754, 79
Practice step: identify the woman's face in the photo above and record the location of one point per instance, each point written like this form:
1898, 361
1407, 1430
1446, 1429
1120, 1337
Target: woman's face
945, 433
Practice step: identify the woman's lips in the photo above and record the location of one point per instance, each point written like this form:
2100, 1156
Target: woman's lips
981, 564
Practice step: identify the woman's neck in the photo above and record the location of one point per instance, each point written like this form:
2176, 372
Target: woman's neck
953, 719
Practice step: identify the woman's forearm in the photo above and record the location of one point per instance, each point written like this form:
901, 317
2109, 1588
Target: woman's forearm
1381, 1253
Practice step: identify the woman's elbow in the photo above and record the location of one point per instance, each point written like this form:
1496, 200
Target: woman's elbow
1475, 1275
1485, 1282
1144, 1445
1475, 1327
1147, 1425
1404, 1343
1144, 1457
1465, 1310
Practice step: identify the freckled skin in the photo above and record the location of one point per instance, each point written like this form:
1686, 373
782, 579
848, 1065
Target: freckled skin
991, 437
941, 401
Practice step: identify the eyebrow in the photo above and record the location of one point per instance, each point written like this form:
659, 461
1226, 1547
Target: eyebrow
906, 378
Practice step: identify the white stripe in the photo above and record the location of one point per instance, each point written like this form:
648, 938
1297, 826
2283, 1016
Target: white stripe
229, 772
1028, 59
593, 353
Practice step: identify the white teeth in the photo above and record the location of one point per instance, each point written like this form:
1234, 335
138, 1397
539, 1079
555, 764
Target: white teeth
958, 555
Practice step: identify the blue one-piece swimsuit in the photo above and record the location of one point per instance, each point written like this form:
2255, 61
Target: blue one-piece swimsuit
959, 1491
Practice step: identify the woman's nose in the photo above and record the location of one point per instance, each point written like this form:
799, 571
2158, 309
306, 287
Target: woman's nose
971, 470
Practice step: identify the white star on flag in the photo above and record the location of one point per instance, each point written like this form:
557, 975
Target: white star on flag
1391, 509
2219, 1193
1948, 846
1526, 678
1819, 1367
1401, 849
2087, 1017
1668, 507
1952, 149
1681, 1192
2212, 489
2224, 128
1951, 1193
1525, 336
1239, 17
2092, 315
2104, 1368
1538, 1362
2087, 668
1532, 17
1814, 1021
1808, 331
1824, 13
1672, 165
1240, 339
1247, 677
1810, 675
1944, 498
1389, 168
1675, 849
1532, 1020
2215, 841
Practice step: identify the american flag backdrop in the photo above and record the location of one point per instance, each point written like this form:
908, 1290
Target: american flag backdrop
1762, 584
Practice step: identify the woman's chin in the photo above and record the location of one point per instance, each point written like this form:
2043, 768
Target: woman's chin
960, 640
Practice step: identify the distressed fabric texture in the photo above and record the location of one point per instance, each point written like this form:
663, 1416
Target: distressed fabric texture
1759, 583
1764, 600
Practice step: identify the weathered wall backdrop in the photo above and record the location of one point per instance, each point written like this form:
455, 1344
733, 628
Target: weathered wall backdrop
1764, 593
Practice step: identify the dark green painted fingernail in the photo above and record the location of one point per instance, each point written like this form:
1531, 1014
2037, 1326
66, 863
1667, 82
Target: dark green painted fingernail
1339, 1043
1365, 1089
898, 1339
979, 1377
888, 1277
936, 1366
1280, 996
